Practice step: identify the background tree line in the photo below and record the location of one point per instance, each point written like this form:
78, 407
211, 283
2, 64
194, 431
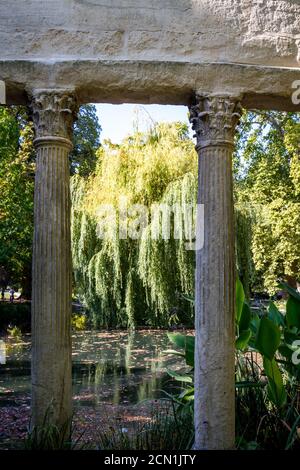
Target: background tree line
134, 282
17, 170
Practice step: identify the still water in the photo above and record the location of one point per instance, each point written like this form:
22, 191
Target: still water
115, 367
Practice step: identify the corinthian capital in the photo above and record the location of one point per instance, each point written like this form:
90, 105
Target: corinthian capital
214, 119
53, 112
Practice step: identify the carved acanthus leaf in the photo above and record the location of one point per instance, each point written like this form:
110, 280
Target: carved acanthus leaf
54, 113
214, 119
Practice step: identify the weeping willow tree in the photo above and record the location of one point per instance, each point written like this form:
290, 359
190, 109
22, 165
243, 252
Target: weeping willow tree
127, 281
166, 265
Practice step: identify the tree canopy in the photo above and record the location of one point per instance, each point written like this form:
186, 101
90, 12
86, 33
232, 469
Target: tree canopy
267, 193
125, 281
140, 281
17, 169
16, 202
86, 140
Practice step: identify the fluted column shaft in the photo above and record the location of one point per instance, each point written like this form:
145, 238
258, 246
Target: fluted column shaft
214, 120
53, 114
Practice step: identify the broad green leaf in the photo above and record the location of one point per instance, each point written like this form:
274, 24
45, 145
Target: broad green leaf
275, 315
293, 312
190, 350
293, 292
177, 339
254, 323
251, 343
239, 300
185, 342
188, 398
276, 390
180, 377
187, 394
174, 352
286, 351
245, 317
290, 336
174, 398
243, 339
268, 338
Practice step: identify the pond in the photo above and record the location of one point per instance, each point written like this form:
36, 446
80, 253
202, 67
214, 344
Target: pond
112, 369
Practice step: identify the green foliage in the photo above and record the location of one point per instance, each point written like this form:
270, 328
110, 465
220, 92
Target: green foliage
293, 313
243, 339
15, 315
127, 282
167, 430
267, 191
167, 266
239, 300
79, 322
242, 316
272, 336
244, 222
245, 319
86, 141
275, 315
49, 436
16, 202
259, 425
15, 332
267, 338
17, 170
46, 438
276, 390
267, 392
185, 398
187, 343
160, 167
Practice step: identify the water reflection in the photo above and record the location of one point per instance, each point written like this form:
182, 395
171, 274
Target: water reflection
115, 367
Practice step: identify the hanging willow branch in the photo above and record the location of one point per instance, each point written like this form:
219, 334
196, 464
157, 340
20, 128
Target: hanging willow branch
126, 282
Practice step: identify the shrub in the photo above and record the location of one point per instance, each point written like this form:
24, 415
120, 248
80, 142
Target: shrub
15, 315
79, 322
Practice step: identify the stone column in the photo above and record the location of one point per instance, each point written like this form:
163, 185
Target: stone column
214, 119
53, 115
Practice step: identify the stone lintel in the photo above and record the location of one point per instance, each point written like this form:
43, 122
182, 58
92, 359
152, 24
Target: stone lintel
103, 81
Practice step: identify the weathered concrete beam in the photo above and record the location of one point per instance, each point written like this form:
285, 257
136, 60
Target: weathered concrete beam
151, 82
